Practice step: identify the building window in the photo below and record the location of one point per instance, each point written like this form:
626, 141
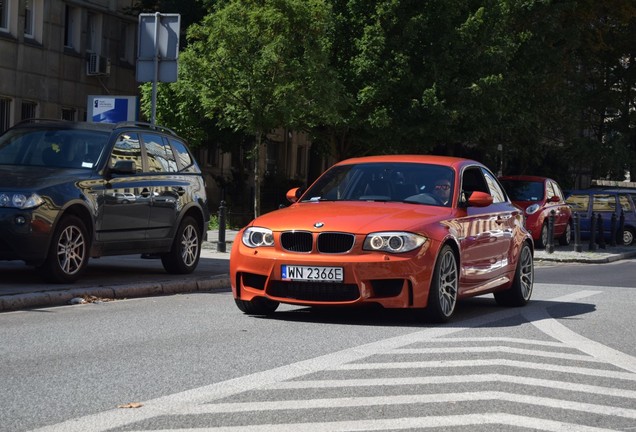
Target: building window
69, 114
71, 28
4, 15
127, 39
93, 33
28, 110
29, 19
5, 114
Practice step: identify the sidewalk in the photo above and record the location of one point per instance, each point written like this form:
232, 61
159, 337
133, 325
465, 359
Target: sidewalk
130, 276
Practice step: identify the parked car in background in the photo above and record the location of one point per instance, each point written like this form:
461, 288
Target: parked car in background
396, 231
606, 202
538, 197
74, 190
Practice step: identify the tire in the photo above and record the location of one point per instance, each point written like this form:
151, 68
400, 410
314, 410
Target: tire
68, 253
628, 236
566, 238
442, 296
543, 237
257, 306
520, 291
184, 255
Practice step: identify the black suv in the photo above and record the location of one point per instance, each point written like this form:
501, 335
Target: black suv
74, 190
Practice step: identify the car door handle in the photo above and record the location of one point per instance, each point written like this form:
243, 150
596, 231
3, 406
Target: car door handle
180, 191
145, 193
503, 219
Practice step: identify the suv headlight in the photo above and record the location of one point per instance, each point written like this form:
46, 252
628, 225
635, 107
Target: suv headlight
257, 237
532, 209
20, 201
393, 242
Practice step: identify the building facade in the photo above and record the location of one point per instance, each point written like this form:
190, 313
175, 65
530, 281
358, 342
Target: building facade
54, 54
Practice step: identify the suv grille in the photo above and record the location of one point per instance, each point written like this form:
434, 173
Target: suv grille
329, 242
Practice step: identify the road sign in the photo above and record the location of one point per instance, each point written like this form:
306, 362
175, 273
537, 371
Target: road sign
158, 41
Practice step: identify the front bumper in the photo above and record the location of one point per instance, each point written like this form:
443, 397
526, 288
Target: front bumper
392, 281
24, 235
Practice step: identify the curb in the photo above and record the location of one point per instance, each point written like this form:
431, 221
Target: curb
64, 297
589, 260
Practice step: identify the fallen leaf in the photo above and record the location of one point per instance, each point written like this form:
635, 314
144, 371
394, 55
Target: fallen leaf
131, 405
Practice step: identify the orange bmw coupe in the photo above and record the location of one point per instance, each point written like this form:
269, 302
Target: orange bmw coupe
407, 231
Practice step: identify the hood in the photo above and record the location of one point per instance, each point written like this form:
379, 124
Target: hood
36, 178
359, 217
523, 205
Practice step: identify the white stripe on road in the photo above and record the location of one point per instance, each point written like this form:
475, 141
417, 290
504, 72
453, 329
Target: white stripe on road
496, 349
497, 420
454, 379
433, 364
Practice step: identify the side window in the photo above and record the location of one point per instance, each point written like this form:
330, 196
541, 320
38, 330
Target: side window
557, 191
625, 204
473, 181
579, 203
160, 157
604, 203
498, 195
127, 148
186, 163
549, 193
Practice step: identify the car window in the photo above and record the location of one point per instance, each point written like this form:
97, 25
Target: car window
127, 147
186, 162
498, 195
557, 191
624, 202
550, 191
520, 190
604, 203
579, 202
473, 181
159, 153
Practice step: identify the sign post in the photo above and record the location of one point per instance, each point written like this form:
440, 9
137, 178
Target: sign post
158, 51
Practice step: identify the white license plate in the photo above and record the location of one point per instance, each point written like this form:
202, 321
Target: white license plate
309, 273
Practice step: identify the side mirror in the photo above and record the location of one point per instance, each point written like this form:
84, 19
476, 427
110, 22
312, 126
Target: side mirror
479, 199
293, 194
124, 167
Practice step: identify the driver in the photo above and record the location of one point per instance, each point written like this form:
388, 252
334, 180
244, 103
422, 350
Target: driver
442, 190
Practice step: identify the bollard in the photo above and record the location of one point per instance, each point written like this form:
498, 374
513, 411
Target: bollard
621, 229
578, 247
220, 245
613, 230
601, 233
592, 245
549, 246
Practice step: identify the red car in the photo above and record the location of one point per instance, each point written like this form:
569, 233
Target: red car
537, 197
405, 231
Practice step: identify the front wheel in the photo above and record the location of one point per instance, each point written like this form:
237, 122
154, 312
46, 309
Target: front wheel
520, 291
258, 306
442, 297
628, 236
68, 253
186, 249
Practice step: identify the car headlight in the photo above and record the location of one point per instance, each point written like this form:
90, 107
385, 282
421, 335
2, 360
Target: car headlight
20, 201
532, 209
393, 242
257, 237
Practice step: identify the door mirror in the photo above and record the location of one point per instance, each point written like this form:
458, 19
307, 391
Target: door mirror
293, 194
479, 199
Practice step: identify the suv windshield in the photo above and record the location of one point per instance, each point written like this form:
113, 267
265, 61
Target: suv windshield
63, 148
524, 190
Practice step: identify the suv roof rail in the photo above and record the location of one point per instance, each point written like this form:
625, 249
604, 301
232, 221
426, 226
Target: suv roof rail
145, 124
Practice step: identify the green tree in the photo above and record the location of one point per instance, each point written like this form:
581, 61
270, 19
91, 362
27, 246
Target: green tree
256, 65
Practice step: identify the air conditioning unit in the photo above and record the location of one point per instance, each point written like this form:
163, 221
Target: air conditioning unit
97, 65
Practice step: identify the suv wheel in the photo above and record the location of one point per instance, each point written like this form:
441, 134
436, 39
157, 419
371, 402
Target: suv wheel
68, 253
628, 236
186, 249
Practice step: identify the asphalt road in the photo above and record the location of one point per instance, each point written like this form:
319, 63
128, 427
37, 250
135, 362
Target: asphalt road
567, 361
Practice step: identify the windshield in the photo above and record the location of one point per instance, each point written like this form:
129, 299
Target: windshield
405, 182
62, 148
524, 190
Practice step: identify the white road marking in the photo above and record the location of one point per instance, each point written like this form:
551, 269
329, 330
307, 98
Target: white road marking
181, 402
498, 420
497, 349
454, 379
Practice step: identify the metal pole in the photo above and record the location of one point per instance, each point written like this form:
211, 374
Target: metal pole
156, 71
592, 245
220, 247
549, 247
578, 247
601, 232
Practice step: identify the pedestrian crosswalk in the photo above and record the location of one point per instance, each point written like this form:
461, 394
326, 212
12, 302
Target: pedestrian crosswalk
476, 376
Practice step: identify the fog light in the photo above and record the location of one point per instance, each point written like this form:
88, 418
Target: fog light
20, 220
